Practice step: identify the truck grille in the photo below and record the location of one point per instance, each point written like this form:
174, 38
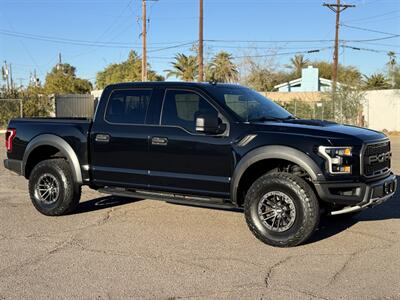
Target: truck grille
376, 159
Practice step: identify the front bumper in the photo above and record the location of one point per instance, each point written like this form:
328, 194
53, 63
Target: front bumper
13, 165
356, 196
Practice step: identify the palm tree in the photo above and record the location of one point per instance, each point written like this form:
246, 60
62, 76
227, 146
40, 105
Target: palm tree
392, 58
376, 81
222, 68
392, 65
184, 67
297, 63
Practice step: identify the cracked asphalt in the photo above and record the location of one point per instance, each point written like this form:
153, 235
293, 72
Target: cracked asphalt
114, 248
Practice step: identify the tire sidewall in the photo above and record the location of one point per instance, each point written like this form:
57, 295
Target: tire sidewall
52, 167
272, 182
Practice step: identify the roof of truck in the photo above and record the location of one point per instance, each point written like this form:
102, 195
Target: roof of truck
204, 85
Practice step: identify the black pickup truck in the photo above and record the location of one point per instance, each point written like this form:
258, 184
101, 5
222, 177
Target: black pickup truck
215, 145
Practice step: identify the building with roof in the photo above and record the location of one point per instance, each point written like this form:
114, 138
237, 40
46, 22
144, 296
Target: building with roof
309, 82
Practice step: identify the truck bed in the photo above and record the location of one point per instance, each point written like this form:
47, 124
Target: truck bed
73, 130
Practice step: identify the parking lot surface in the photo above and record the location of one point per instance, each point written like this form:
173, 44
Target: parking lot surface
114, 248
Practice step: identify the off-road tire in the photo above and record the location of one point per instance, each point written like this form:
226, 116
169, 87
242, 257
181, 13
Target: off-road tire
305, 203
69, 192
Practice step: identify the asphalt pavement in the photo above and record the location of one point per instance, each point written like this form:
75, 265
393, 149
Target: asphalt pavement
114, 248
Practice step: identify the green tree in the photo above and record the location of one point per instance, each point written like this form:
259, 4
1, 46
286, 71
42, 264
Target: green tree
9, 105
376, 81
184, 67
298, 63
126, 71
396, 76
346, 104
222, 68
347, 74
36, 103
63, 80
263, 79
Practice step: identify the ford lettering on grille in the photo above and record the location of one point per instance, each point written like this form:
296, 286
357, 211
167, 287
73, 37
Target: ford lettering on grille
376, 159
379, 158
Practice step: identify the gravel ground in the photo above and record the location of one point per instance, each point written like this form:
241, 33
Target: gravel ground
114, 248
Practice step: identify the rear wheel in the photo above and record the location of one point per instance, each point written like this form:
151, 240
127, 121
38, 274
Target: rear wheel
281, 209
52, 188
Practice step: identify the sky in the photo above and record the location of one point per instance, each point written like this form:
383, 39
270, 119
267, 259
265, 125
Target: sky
91, 34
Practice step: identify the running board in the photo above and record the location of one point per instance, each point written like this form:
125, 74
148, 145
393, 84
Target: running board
170, 197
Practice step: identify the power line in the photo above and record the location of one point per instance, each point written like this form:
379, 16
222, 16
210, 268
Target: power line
172, 47
314, 50
283, 53
105, 44
267, 41
369, 30
373, 17
296, 41
73, 41
368, 49
259, 47
380, 44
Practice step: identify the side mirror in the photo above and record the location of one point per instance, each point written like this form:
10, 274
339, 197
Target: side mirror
209, 123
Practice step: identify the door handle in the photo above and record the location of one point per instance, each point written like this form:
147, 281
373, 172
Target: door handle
159, 141
102, 138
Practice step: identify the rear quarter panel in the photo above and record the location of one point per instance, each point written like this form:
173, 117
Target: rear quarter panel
73, 131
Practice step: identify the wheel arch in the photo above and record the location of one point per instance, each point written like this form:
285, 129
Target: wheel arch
272, 154
47, 141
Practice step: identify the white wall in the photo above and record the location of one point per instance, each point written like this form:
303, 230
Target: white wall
382, 110
96, 93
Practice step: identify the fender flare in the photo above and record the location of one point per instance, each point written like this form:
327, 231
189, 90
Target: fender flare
60, 144
274, 152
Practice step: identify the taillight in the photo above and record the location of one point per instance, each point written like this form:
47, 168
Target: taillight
10, 135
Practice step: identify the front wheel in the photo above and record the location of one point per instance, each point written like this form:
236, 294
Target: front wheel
281, 209
52, 188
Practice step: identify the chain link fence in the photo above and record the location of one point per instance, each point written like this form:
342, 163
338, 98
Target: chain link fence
341, 110
10, 108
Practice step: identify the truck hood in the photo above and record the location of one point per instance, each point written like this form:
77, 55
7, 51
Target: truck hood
337, 134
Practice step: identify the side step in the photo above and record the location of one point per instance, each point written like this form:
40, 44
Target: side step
171, 198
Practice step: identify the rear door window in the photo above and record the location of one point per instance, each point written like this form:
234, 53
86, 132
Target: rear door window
128, 106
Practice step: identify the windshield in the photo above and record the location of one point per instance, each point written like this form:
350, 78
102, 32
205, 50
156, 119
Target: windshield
249, 105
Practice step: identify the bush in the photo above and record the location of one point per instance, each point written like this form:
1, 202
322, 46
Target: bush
9, 108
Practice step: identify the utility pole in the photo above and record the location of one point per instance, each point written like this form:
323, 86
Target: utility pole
59, 64
144, 41
336, 8
11, 79
6, 75
200, 50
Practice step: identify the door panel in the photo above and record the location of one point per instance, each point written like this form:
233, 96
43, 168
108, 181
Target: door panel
183, 160
123, 160
119, 143
189, 163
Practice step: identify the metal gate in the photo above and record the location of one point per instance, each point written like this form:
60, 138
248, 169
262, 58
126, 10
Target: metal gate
74, 106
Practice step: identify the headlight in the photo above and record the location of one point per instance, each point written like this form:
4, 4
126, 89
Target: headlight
337, 159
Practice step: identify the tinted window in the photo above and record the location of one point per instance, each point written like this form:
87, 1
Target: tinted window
181, 108
128, 106
247, 104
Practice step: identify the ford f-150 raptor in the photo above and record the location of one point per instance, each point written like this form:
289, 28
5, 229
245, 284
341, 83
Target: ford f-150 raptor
206, 144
